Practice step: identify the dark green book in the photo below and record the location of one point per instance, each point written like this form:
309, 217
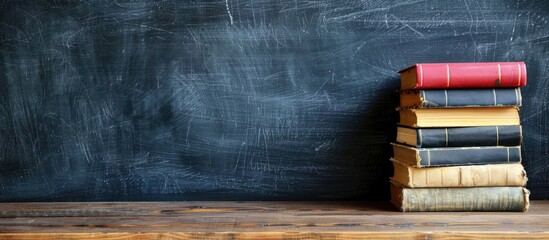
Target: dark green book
442, 98
460, 136
488, 199
453, 156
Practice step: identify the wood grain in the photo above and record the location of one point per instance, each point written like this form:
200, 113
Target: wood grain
260, 220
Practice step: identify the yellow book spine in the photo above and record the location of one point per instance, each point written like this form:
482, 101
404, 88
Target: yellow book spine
464, 176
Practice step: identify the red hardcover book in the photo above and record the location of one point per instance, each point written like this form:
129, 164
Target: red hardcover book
463, 75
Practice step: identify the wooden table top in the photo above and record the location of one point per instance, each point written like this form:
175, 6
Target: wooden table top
260, 220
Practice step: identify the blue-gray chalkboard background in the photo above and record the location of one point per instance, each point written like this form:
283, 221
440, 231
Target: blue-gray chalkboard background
237, 99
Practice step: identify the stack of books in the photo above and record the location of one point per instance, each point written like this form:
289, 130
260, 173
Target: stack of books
458, 139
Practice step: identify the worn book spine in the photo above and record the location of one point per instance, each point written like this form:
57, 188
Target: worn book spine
469, 75
469, 136
508, 199
441, 98
468, 155
452, 156
460, 176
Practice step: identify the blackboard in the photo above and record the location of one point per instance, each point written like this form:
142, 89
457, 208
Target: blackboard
236, 99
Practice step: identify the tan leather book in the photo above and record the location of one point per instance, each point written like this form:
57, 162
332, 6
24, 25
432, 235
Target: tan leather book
459, 176
509, 199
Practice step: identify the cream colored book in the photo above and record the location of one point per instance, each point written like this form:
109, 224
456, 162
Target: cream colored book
515, 199
460, 176
459, 117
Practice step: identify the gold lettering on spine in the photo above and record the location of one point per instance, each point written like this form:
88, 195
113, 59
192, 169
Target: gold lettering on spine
520, 75
420, 75
448, 75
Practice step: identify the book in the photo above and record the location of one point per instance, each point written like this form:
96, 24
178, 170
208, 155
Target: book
442, 98
459, 117
460, 176
463, 75
460, 136
514, 199
452, 156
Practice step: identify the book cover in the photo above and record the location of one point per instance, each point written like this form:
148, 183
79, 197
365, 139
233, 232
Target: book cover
452, 156
509, 199
459, 117
464, 75
460, 176
444, 98
460, 136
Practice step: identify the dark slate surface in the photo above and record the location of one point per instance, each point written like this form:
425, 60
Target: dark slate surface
236, 99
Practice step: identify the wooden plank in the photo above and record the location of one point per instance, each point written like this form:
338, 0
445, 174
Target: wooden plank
259, 220
94, 209
276, 235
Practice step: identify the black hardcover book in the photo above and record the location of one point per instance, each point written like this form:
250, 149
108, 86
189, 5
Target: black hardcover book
452, 156
441, 98
460, 136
